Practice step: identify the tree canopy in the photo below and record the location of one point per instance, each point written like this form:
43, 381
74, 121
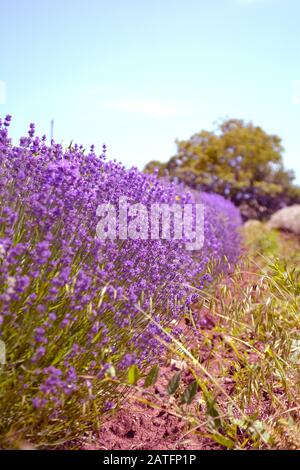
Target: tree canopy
238, 160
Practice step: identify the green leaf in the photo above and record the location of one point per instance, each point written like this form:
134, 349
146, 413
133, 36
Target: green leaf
174, 383
133, 374
258, 428
189, 393
151, 378
211, 407
220, 439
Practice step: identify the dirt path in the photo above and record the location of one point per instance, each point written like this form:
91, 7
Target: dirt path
139, 425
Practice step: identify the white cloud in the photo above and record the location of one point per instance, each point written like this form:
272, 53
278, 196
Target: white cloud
113, 99
150, 108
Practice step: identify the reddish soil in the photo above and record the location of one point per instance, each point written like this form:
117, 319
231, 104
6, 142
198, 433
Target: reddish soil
156, 426
144, 428
139, 426
159, 425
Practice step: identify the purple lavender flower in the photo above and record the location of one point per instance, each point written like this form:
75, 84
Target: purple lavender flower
73, 301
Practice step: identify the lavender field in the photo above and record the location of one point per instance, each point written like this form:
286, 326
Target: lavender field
149, 232
86, 320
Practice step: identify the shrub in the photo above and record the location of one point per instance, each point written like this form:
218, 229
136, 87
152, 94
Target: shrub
71, 304
238, 160
237, 382
259, 239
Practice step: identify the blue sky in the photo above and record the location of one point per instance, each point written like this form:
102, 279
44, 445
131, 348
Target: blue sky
137, 74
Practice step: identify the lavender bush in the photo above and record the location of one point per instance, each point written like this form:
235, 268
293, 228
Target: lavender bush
70, 303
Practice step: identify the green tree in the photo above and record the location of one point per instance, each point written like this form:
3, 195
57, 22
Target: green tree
238, 160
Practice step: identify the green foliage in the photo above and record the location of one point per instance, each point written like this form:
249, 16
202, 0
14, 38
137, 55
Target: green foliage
174, 383
265, 244
152, 377
133, 374
246, 393
259, 239
238, 160
189, 393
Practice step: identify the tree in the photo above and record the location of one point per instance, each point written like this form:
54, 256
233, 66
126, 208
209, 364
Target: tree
238, 160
